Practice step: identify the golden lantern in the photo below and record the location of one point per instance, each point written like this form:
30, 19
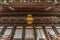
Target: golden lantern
29, 19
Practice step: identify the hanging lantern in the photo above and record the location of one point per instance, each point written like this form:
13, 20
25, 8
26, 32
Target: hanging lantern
29, 19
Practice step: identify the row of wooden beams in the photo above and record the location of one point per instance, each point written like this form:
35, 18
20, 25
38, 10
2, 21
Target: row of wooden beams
14, 7
30, 8
47, 34
28, 3
34, 29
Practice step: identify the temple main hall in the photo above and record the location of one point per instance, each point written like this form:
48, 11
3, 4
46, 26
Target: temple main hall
29, 19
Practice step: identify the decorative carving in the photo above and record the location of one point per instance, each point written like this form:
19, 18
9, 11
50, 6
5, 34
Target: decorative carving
43, 20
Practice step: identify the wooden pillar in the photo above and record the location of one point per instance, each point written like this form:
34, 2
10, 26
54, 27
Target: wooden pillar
13, 32
46, 33
23, 34
3, 30
35, 32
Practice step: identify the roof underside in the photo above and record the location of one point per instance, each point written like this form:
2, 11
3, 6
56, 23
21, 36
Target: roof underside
30, 7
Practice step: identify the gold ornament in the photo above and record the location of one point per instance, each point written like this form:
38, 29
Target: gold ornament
29, 19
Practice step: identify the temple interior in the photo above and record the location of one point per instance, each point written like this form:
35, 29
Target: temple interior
29, 19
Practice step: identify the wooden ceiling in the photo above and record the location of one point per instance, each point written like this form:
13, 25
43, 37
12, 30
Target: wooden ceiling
29, 7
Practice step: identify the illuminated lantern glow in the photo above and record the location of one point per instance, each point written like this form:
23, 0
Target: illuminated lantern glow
29, 19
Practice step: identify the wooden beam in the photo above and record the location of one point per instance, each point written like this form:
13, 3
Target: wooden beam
55, 30
3, 30
13, 32
15, 14
23, 34
35, 32
46, 33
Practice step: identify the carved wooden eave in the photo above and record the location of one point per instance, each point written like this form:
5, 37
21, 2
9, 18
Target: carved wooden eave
27, 7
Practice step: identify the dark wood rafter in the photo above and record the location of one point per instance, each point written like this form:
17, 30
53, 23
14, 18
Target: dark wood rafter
3, 30
23, 34
46, 33
18, 14
13, 32
55, 30
35, 32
